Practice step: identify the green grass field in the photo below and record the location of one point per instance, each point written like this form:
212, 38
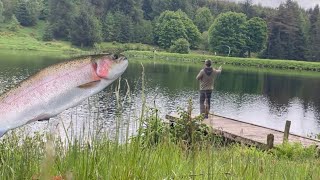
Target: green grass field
30, 38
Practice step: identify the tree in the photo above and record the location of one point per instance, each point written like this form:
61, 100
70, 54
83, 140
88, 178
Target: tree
109, 31
1, 12
192, 32
14, 24
247, 8
286, 40
168, 29
204, 45
27, 12
314, 41
227, 32
147, 9
174, 25
47, 35
203, 19
256, 34
60, 15
143, 32
85, 29
44, 9
9, 9
123, 27
131, 8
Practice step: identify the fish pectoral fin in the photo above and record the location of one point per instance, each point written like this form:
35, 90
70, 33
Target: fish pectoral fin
89, 85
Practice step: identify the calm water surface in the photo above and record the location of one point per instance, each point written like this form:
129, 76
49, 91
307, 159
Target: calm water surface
252, 95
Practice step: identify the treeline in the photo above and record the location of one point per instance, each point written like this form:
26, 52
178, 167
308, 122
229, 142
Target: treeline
286, 32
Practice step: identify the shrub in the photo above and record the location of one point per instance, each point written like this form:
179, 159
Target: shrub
181, 46
295, 151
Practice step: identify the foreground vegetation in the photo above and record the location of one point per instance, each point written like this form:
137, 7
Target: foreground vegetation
159, 151
254, 62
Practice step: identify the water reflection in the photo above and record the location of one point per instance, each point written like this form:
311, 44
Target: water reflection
256, 96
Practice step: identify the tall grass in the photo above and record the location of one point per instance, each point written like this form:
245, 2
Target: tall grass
104, 159
158, 151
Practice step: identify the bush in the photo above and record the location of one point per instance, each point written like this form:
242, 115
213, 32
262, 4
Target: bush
185, 131
295, 151
181, 46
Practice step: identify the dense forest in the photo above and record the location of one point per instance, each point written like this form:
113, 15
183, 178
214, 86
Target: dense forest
221, 27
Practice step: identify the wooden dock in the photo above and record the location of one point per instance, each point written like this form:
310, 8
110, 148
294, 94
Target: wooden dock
250, 134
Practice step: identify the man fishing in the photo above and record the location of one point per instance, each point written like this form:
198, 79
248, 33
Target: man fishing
206, 77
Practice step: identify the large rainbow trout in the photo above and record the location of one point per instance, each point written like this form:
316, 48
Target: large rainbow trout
57, 88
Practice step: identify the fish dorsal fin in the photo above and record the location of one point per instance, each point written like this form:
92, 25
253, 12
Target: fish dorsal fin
89, 85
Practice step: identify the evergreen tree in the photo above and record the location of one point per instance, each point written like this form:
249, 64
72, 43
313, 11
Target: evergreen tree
131, 8
27, 13
44, 9
287, 40
1, 12
109, 31
14, 24
314, 40
9, 9
85, 29
247, 8
60, 15
143, 32
47, 36
147, 9
99, 7
123, 27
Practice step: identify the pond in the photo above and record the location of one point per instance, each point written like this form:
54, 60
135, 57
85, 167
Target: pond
259, 96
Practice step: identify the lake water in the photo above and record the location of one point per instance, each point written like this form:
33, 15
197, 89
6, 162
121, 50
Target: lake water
263, 97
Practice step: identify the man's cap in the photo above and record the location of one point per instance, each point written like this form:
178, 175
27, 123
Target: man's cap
208, 62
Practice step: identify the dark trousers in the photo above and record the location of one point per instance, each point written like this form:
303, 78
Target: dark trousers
205, 95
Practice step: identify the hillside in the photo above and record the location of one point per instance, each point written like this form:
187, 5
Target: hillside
30, 38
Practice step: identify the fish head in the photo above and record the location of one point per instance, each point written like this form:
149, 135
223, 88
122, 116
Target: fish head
110, 66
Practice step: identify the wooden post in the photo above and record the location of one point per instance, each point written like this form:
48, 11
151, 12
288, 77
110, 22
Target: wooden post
286, 131
270, 140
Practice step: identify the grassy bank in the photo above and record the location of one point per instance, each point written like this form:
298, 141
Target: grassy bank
30, 38
34, 158
250, 62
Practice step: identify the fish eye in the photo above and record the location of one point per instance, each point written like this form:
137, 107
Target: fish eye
115, 56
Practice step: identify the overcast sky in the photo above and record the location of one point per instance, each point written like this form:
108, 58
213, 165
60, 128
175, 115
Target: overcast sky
275, 3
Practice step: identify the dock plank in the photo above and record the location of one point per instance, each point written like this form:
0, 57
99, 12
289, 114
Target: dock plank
249, 133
